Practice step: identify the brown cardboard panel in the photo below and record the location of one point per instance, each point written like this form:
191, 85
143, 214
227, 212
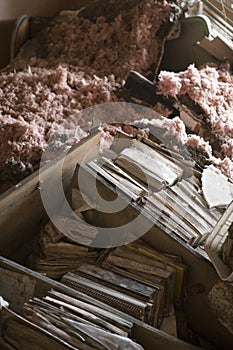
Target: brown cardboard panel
24, 203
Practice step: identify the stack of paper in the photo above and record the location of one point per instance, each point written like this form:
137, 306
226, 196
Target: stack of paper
60, 246
183, 210
127, 294
135, 279
62, 322
149, 166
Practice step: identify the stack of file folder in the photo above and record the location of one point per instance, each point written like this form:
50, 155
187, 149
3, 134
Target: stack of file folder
62, 322
182, 209
135, 279
163, 184
60, 250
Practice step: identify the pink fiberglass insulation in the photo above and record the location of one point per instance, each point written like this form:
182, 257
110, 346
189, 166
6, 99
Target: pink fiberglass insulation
225, 165
49, 107
79, 67
227, 148
128, 42
74, 63
173, 131
210, 88
198, 143
37, 103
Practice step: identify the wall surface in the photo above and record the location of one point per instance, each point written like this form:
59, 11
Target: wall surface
10, 10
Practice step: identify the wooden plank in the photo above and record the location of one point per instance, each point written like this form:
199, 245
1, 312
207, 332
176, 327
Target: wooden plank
21, 209
217, 48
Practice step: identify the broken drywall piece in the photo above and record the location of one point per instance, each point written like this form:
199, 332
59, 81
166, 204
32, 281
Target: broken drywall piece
217, 190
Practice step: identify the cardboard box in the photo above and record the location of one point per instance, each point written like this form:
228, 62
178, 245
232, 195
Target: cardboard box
18, 236
22, 214
30, 284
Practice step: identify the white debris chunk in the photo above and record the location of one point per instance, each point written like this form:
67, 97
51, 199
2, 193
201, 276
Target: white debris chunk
216, 188
3, 303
